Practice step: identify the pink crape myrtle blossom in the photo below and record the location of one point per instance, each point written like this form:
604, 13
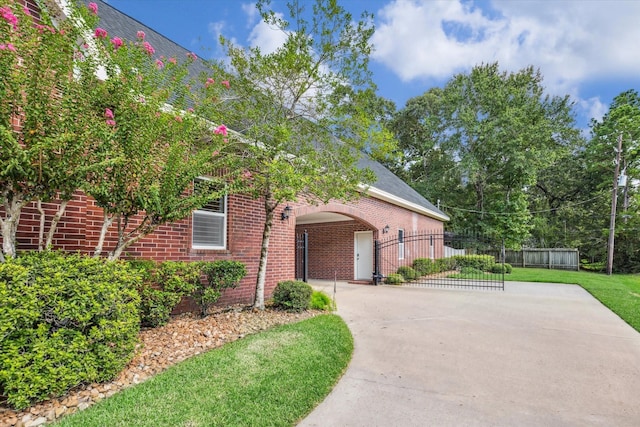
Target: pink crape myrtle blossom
209, 82
108, 113
141, 35
93, 8
7, 15
7, 46
173, 60
26, 11
221, 130
110, 122
192, 56
159, 64
225, 83
117, 42
178, 119
147, 46
100, 33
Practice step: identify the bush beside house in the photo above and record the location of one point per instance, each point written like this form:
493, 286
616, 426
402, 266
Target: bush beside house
64, 320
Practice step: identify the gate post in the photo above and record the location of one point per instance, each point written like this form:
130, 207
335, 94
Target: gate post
376, 263
305, 256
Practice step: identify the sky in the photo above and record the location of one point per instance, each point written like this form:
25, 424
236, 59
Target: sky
587, 49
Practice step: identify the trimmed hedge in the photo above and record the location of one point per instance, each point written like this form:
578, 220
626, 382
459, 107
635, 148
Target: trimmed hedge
424, 266
479, 262
164, 285
394, 279
64, 320
407, 272
292, 295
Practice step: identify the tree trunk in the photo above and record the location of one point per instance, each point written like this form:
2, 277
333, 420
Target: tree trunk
54, 223
42, 245
42, 221
269, 208
106, 223
9, 224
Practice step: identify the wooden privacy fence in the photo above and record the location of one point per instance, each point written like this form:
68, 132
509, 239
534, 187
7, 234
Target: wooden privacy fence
553, 258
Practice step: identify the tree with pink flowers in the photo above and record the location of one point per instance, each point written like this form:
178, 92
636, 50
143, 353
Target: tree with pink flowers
81, 109
44, 118
159, 130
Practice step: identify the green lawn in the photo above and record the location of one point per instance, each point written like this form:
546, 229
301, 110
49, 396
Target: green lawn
274, 378
619, 292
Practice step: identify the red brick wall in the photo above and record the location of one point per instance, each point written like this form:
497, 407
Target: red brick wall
331, 244
331, 249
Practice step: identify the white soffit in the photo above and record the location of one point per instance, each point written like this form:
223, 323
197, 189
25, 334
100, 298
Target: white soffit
320, 217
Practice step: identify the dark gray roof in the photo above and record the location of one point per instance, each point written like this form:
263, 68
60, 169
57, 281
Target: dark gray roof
120, 24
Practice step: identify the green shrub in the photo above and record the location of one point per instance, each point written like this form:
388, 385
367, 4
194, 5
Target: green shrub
163, 286
501, 268
394, 279
221, 274
292, 295
407, 272
423, 266
321, 301
479, 262
470, 271
444, 264
64, 320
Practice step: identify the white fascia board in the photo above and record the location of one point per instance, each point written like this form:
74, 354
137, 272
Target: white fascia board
398, 201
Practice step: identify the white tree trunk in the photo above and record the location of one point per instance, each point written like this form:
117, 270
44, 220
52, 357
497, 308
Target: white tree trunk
54, 223
106, 223
264, 252
9, 228
12, 211
42, 221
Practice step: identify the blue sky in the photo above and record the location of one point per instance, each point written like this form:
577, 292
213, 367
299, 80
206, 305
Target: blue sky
587, 49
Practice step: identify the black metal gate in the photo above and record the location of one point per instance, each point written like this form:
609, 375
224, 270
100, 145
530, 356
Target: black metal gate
437, 259
302, 256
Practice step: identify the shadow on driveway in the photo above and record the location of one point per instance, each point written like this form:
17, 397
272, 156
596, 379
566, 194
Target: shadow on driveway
536, 354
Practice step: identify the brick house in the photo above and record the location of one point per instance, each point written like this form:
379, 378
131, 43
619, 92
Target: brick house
340, 235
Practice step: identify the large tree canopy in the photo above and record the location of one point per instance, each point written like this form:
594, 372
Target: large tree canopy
479, 144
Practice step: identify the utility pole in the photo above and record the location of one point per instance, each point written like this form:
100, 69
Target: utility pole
614, 199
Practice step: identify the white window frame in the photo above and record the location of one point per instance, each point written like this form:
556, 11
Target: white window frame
222, 215
400, 243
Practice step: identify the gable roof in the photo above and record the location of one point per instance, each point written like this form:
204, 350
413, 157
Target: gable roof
387, 187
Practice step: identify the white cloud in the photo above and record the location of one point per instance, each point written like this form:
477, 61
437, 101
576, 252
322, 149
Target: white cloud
570, 41
267, 38
250, 10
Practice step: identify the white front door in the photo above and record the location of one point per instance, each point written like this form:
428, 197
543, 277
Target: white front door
363, 255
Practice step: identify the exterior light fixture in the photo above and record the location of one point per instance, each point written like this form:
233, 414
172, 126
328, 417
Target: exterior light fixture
286, 212
385, 229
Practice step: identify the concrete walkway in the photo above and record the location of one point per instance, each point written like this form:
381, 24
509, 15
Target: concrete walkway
533, 355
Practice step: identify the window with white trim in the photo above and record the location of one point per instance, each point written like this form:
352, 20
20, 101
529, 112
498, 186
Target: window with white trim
209, 224
401, 244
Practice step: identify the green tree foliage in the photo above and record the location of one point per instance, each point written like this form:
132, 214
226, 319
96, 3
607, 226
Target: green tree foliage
622, 120
151, 137
44, 119
304, 111
479, 144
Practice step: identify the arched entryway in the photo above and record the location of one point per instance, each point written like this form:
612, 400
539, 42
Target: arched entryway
334, 242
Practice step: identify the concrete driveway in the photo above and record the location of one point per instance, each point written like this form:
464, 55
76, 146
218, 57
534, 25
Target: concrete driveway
533, 355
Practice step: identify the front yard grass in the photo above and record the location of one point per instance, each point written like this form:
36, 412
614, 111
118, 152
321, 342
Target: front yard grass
619, 292
274, 378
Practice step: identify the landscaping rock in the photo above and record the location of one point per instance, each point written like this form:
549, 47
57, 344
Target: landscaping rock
159, 348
